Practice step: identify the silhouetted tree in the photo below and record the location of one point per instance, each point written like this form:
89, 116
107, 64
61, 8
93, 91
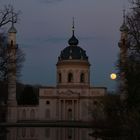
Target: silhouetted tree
111, 125
28, 96
7, 15
131, 70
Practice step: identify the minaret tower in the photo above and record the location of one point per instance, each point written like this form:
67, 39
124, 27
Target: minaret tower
123, 55
12, 46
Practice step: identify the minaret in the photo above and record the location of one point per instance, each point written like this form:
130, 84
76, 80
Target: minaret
123, 55
12, 103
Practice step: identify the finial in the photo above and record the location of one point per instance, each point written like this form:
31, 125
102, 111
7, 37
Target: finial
124, 26
73, 27
124, 17
12, 17
12, 29
73, 41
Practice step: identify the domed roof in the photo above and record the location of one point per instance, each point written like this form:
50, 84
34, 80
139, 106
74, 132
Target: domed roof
12, 30
73, 52
73, 41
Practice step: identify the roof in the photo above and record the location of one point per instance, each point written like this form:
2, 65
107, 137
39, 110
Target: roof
12, 30
73, 52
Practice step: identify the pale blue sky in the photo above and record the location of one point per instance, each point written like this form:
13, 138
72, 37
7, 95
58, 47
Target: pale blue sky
45, 27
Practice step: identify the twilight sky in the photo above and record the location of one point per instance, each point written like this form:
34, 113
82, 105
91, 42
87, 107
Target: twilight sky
45, 27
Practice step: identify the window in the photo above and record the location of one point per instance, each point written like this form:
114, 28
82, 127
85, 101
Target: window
32, 132
69, 114
47, 102
23, 132
70, 77
32, 114
95, 103
59, 78
69, 133
23, 115
47, 132
47, 114
82, 78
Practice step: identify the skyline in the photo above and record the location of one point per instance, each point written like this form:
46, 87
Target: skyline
45, 27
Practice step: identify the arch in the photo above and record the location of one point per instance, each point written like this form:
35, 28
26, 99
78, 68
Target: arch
23, 115
70, 77
12, 42
23, 132
69, 133
82, 77
32, 132
47, 132
59, 77
47, 114
32, 114
69, 114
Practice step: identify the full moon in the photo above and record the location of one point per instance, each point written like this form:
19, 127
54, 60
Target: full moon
113, 76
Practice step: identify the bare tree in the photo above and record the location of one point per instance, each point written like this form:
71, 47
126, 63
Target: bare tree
7, 15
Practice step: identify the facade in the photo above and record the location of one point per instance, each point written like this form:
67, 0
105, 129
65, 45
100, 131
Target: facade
72, 99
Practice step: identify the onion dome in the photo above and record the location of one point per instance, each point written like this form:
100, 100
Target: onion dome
73, 41
73, 53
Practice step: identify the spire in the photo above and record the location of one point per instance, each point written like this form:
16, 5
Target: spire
124, 16
124, 27
12, 18
73, 27
73, 41
12, 28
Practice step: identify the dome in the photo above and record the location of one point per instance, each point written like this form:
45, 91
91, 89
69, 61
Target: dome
73, 41
73, 53
12, 30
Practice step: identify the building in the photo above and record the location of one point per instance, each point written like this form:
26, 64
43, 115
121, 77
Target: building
71, 100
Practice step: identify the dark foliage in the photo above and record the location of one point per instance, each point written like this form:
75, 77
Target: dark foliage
131, 71
28, 96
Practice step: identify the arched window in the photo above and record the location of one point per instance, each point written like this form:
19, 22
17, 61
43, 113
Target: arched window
59, 78
70, 133
47, 132
82, 78
69, 114
32, 114
32, 132
47, 114
23, 132
70, 77
24, 115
